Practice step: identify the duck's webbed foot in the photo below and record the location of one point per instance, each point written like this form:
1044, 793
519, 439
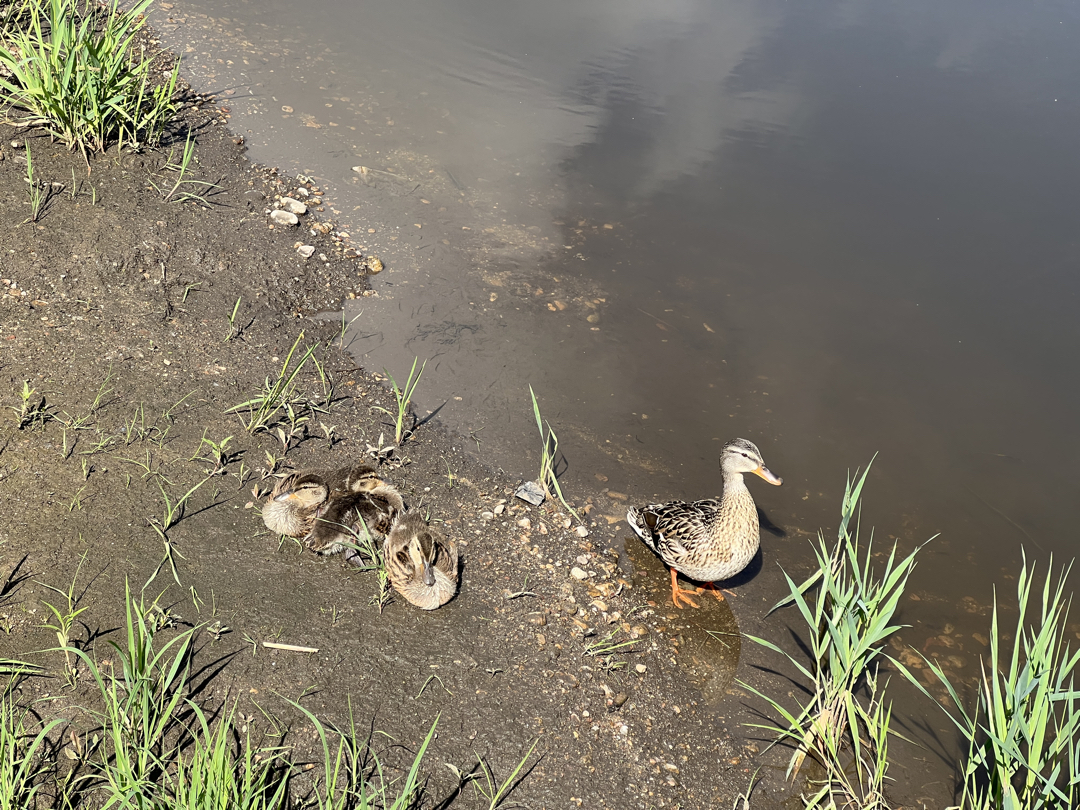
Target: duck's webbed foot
679, 595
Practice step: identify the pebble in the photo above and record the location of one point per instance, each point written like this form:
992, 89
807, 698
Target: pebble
581, 531
641, 669
306, 250
498, 510
525, 523
487, 515
374, 265
577, 573
284, 218
293, 206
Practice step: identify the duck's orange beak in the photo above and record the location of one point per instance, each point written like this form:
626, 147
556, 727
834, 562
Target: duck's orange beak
766, 473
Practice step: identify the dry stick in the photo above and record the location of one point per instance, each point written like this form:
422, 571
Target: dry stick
273, 645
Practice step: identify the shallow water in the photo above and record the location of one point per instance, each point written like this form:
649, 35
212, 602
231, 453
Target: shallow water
837, 229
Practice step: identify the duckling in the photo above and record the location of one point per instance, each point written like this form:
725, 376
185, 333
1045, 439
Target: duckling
711, 539
299, 499
422, 564
372, 509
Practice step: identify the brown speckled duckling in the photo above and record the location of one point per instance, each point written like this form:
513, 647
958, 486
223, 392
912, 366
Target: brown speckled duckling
422, 564
372, 510
299, 499
712, 539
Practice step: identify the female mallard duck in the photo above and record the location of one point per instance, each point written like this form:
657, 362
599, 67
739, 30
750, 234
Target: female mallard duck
303, 498
422, 564
712, 539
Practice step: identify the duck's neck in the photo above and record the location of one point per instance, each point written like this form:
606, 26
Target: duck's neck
734, 487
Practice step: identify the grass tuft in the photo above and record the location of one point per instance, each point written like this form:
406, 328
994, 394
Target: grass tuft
281, 400
177, 193
73, 69
548, 479
402, 399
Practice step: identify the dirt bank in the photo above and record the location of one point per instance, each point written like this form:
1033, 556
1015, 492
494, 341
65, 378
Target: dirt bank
136, 322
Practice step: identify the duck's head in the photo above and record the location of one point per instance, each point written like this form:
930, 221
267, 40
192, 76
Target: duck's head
292, 507
417, 557
740, 456
301, 492
421, 563
363, 478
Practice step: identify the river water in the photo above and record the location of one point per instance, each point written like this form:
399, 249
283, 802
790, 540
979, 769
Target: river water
836, 229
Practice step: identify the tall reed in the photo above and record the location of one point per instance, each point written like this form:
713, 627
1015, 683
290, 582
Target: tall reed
1023, 734
848, 610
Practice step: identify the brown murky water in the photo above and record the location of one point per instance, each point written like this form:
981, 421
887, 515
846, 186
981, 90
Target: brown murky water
835, 229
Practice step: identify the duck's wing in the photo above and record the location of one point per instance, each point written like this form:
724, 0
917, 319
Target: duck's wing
446, 555
674, 530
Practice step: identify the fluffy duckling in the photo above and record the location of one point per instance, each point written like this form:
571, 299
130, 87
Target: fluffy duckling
372, 510
712, 539
299, 499
422, 564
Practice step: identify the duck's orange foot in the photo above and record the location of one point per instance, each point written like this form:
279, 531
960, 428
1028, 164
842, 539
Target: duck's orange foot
681, 594
719, 594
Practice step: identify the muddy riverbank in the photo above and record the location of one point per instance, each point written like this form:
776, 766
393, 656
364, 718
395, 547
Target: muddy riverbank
135, 322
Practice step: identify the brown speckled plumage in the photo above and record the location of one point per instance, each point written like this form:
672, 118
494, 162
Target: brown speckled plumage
711, 539
371, 510
422, 564
302, 503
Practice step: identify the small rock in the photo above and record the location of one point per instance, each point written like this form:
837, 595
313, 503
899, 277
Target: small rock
541, 639
374, 265
16, 144
293, 206
577, 573
306, 251
487, 515
538, 618
619, 700
641, 669
530, 492
566, 523
498, 510
525, 523
303, 192
284, 218
581, 531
